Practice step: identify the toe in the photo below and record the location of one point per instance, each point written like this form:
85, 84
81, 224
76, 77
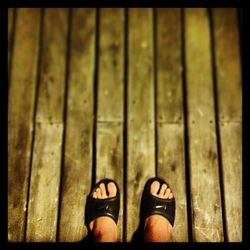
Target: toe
171, 196
167, 193
112, 189
154, 187
163, 189
98, 191
103, 191
91, 225
95, 195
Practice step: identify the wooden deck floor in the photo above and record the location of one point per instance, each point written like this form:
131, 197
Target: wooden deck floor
124, 94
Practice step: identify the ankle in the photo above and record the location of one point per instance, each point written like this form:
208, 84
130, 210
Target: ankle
101, 236
104, 235
105, 231
157, 229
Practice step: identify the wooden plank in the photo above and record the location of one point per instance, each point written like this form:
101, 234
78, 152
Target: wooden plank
231, 145
45, 178
141, 130
110, 102
110, 160
228, 69
204, 174
169, 66
111, 50
50, 102
228, 65
10, 32
171, 167
171, 162
20, 118
77, 170
46, 165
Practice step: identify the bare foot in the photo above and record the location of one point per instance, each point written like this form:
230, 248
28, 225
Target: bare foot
157, 228
104, 228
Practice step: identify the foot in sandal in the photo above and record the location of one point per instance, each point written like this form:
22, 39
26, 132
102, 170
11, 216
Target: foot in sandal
102, 209
159, 211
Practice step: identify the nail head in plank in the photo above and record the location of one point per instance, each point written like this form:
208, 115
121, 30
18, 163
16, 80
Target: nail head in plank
45, 182
169, 65
204, 174
77, 169
20, 117
53, 63
110, 73
141, 131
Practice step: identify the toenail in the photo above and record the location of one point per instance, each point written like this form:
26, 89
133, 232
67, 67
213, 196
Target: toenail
155, 187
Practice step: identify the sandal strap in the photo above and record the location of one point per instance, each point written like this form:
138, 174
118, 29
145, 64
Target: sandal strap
164, 207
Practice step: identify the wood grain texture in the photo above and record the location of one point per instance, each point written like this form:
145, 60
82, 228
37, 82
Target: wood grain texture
110, 160
51, 91
42, 141
46, 165
171, 167
141, 130
10, 32
229, 88
44, 183
77, 169
204, 174
169, 66
228, 65
170, 136
20, 117
231, 145
111, 58
110, 102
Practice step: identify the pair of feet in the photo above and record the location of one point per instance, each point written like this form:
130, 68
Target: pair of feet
156, 227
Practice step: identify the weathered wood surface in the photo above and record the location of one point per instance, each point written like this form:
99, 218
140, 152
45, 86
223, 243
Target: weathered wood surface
47, 154
20, 118
10, 32
170, 128
110, 102
229, 86
169, 66
204, 174
228, 64
141, 129
44, 186
34, 177
171, 167
52, 80
111, 66
77, 169
231, 145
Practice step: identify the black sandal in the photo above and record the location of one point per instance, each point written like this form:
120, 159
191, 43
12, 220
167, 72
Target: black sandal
151, 204
102, 207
